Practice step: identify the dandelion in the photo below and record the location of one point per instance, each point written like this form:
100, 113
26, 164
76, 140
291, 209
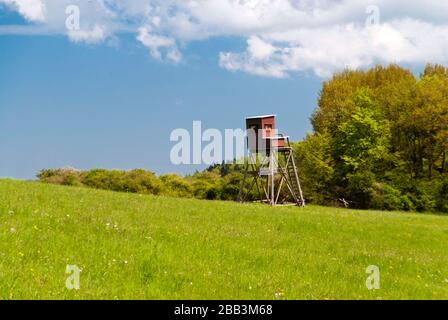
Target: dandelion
21, 254
125, 261
13, 230
279, 294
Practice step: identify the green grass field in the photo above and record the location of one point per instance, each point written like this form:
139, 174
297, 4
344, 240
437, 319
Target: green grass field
145, 247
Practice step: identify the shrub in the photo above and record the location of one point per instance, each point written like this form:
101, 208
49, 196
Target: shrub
406, 203
442, 196
212, 193
140, 181
386, 197
175, 185
360, 188
64, 176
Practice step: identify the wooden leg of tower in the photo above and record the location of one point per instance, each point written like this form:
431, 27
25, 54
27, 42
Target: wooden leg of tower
266, 188
302, 199
272, 176
279, 188
240, 193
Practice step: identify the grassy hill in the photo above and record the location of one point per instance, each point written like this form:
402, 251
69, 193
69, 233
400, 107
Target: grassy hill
134, 246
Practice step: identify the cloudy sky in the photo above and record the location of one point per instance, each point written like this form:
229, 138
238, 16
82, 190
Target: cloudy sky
98, 82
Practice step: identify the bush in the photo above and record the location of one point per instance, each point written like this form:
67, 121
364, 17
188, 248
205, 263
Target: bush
442, 196
230, 192
175, 185
231, 184
135, 181
102, 179
360, 188
386, 197
363, 189
140, 181
406, 203
65, 176
212, 193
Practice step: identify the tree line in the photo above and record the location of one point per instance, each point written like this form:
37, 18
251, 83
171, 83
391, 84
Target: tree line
379, 141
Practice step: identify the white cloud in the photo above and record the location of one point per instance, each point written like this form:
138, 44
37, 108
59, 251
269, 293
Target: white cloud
261, 58
33, 10
283, 36
157, 43
259, 49
326, 50
95, 35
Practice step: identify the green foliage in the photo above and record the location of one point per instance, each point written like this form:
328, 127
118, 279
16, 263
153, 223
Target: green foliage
231, 186
385, 134
362, 141
218, 182
63, 176
136, 181
442, 196
315, 167
176, 186
386, 197
360, 188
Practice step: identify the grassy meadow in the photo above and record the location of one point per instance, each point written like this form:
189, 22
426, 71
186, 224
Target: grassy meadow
132, 246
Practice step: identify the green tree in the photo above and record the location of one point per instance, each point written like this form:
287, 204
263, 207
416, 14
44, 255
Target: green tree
362, 142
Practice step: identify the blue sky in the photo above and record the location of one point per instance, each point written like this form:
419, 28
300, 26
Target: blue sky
109, 92
99, 106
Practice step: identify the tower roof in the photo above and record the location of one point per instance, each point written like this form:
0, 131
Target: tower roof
261, 117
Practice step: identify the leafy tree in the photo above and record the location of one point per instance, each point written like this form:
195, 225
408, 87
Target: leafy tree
387, 135
362, 142
314, 163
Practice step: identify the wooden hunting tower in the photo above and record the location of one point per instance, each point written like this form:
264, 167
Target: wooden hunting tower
270, 164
